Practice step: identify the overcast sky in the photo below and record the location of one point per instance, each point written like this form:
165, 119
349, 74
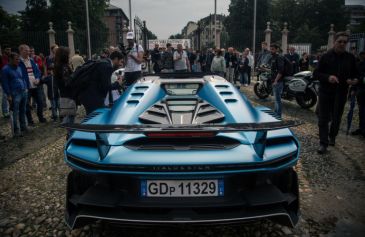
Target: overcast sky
167, 17
163, 17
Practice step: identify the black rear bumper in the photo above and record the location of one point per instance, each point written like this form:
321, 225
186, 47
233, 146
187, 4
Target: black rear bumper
247, 197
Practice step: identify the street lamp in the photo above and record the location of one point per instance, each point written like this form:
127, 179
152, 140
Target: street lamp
254, 28
130, 15
88, 30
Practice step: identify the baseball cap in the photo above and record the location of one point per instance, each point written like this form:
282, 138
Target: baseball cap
130, 35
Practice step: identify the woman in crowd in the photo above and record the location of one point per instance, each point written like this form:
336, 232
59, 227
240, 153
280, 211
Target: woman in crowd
62, 73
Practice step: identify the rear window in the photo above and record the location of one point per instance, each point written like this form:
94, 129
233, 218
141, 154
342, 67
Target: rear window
182, 88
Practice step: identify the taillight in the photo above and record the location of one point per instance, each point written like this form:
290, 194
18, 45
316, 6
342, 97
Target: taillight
179, 134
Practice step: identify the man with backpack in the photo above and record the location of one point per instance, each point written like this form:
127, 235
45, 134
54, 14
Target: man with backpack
277, 75
92, 81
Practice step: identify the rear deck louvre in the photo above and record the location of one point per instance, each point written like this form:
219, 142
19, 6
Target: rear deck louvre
226, 93
230, 100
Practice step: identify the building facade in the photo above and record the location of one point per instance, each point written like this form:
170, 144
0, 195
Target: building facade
114, 19
204, 33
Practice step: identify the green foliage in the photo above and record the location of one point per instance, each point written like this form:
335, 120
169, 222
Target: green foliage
9, 29
150, 35
308, 20
35, 17
239, 22
176, 36
63, 11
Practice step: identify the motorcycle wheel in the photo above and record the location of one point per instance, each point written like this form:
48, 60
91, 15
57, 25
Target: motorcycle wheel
260, 91
307, 100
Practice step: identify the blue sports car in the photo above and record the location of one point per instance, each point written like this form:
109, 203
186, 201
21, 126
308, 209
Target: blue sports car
182, 149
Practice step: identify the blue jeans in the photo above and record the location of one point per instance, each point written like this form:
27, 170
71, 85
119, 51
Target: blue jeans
278, 90
37, 95
4, 104
19, 100
55, 104
244, 78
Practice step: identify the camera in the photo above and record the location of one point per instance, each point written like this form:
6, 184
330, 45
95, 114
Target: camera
125, 51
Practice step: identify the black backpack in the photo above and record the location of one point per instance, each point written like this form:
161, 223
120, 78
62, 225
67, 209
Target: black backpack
288, 67
80, 78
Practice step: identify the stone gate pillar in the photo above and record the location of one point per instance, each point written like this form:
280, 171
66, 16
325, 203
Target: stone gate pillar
70, 38
268, 34
284, 38
51, 36
331, 37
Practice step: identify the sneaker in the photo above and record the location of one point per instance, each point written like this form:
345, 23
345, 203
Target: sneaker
356, 132
332, 141
31, 124
322, 149
245, 85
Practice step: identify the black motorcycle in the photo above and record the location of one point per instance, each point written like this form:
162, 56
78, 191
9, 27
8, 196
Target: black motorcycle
301, 86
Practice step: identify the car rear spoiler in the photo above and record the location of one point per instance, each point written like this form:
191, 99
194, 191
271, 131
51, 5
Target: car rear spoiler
180, 130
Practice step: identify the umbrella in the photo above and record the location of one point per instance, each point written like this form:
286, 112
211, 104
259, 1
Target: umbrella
350, 114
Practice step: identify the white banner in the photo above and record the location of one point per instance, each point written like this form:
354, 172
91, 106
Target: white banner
174, 42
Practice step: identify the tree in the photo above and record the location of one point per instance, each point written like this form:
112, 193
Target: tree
63, 11
34, 24
35, 17
150, 35
9, 29
239, 22
176, 36
312, 16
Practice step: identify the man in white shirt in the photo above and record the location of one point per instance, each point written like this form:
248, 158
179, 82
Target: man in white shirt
181, 60
31, 72
76, 60
133, 67
251, 63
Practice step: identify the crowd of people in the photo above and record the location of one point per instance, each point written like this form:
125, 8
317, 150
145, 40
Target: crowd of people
24, 75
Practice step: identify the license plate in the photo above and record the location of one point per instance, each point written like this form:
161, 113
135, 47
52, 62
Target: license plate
182, 188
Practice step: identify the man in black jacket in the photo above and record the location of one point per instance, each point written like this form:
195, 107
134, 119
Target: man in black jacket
293, 57
336, 71
93, 96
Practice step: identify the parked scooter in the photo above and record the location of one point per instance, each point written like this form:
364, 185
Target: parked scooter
301, 86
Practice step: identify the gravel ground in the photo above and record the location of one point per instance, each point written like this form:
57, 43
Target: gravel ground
33, 177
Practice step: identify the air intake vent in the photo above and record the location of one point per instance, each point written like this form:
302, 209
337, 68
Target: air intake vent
181, 111
90, 116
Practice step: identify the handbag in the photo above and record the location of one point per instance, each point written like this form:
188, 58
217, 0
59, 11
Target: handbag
67, 107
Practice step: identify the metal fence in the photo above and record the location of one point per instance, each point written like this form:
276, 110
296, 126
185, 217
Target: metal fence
246, 40
357, 41
99, 40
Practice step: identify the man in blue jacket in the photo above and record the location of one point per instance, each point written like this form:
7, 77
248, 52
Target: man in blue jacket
32, 73
16, 89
